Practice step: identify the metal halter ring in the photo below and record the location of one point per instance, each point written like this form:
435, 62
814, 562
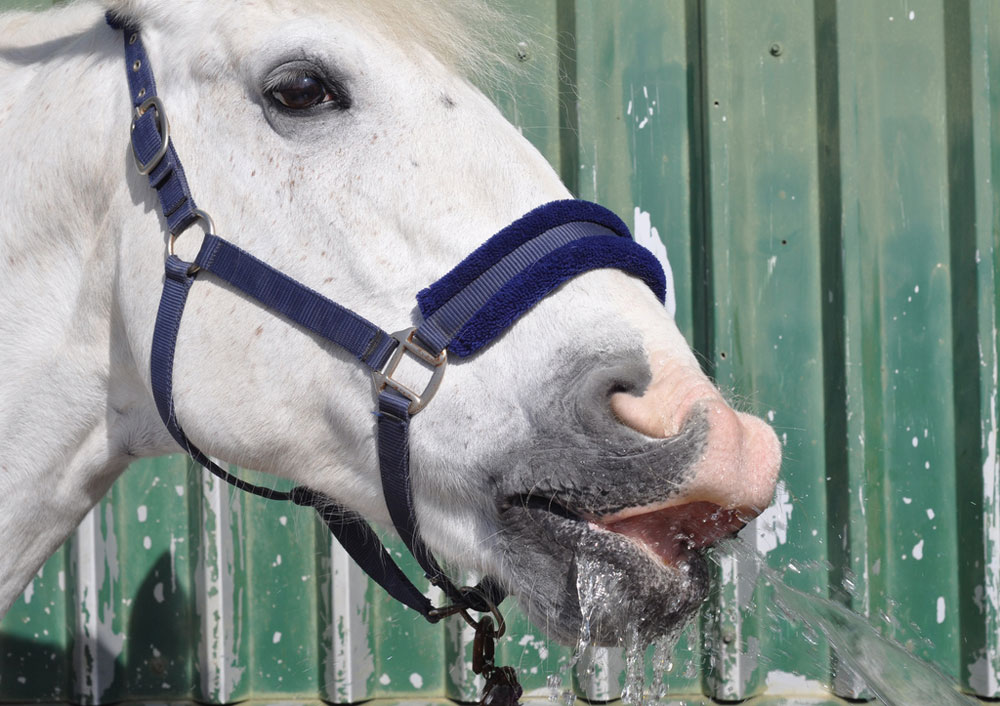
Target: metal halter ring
199, 215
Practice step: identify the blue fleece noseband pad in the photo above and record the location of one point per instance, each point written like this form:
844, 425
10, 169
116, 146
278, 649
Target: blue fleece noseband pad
488, 291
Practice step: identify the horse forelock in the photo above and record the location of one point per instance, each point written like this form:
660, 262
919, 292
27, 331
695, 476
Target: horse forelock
471, 36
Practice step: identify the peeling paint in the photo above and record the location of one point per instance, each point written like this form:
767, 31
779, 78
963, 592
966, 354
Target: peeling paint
649, 237
779, 682
772, 525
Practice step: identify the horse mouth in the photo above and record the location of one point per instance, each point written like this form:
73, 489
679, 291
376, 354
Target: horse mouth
672, 534
649, 559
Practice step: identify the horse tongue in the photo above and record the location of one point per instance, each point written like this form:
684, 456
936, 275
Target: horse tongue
672, 532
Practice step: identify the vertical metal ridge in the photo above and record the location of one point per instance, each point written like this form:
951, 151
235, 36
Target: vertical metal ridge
348, 659
215, 593
700, 188
847, 542
569, 120
97, 644
971, 199
85, 643
598, 676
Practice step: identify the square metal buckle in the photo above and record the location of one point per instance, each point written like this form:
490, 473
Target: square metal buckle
162, 126
384, 378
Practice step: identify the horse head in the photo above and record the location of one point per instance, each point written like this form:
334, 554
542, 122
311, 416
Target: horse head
345, 147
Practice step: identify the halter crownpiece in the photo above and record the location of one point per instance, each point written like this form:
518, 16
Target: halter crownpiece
464, 311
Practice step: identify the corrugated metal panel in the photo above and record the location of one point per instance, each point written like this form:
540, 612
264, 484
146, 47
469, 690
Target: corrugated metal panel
822, 175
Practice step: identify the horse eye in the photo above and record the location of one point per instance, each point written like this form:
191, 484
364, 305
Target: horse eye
301, 92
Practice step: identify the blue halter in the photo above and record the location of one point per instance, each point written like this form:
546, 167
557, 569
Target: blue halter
462, 312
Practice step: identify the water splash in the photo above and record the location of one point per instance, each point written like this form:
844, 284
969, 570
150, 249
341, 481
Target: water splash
635, 674
887, 671
894, 675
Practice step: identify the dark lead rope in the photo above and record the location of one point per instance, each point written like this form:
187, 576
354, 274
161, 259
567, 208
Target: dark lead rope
463, 311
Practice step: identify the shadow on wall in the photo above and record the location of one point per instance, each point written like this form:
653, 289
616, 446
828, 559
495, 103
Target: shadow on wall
155, 659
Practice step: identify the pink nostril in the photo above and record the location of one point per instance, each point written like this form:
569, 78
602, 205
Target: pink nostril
739, 467
662, 409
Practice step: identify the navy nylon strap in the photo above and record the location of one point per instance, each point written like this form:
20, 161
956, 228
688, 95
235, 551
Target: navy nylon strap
306, 307
167, 178
363, 545
394, 460
353, 533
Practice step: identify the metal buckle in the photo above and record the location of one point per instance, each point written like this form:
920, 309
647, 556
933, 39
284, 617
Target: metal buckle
161, 125
384, 378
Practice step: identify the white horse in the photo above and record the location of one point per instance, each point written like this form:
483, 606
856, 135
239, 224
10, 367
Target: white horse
340, 142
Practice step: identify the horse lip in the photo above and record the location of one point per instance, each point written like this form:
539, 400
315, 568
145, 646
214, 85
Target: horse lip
671, 531
548, 504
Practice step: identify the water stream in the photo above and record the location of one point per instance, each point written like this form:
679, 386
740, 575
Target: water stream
893, 675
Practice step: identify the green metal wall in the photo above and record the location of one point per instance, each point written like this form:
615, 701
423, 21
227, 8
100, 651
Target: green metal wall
822, 175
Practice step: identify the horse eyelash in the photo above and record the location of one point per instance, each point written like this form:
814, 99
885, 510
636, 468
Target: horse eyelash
284, 74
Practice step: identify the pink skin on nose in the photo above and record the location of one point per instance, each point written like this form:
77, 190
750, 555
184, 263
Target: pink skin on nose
733, 481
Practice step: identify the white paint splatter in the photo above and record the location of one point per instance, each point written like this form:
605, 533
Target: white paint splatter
29, 591
416, 680
643, 122
772, 525
940, 609
982, 675
647, 236
779, 682
147, 542
276, 638
384, 680
141, 512
915, 442
629, 110
62, 580
180, 490
771, 262
907, 501
930, 514
918, 550
283, 520
770, 415
912, 14
158, 592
